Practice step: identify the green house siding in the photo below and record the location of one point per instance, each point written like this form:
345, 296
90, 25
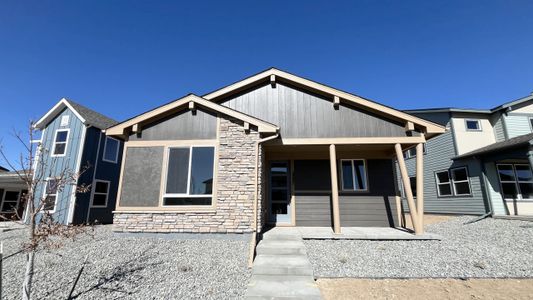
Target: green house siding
517, 124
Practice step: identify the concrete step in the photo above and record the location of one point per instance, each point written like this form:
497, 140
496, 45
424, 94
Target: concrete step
282, 235
282, 265
284, 287
283, 247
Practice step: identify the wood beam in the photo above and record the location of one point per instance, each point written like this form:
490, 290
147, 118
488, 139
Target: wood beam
420, 182
409, 126
336, 102
136, 128
334, 189
273, 80
407, 189
246, 127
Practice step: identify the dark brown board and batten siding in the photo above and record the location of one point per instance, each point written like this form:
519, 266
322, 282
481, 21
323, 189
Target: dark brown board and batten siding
301, 114
141, 180
377, 207
182, 125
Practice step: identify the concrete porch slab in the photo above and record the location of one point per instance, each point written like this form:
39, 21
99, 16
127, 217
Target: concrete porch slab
363, 233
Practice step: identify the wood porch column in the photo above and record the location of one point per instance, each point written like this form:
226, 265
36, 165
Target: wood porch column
420, 183
334, 189
408, 191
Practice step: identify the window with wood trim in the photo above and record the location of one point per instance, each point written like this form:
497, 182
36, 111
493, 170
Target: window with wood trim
444, 184
353, 172
60, 142
100, 193
111, 150
189, 178
50, 195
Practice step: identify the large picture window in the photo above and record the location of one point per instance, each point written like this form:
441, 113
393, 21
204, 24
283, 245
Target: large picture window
516, 181
353, 173
189, 176
60, 142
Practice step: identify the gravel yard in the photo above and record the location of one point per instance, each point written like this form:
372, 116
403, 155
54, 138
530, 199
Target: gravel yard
129, 267
488, 248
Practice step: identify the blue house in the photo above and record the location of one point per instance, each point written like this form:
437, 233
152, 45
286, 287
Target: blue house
72, 139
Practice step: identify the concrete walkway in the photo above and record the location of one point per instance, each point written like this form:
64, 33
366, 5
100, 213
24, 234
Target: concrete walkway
364, 233
281, 268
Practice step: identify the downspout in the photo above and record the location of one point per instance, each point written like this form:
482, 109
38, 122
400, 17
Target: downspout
487, 194
256, 197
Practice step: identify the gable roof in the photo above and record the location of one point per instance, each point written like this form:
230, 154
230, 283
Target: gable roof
503, 145
121, 128
88, 116
429, 127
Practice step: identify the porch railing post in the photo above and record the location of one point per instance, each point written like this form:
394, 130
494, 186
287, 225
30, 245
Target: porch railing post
334, 189
408, 191
420, 182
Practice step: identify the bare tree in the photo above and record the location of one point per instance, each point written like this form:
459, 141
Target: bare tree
43, 180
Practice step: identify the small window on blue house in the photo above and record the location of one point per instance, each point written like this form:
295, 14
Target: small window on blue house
50, 195
111, 150
60, 142
353, 173
473, 125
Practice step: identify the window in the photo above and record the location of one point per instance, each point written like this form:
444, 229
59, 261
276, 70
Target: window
353, 175
444, 185
50, 195
10, 201
531, 123
412, 181
412, 152
111, 150
100, 193
516, 181
64, 121
60, 142
472, 125
189, 176
461, 184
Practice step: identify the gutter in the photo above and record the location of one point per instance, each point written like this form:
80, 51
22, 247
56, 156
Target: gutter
253, 242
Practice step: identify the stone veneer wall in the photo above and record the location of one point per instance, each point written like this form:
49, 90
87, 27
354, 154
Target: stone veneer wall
235, 192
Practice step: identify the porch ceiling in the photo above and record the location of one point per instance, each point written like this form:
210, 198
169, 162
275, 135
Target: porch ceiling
322, 151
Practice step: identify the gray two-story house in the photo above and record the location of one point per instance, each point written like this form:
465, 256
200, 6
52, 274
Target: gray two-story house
72, 140
482, 164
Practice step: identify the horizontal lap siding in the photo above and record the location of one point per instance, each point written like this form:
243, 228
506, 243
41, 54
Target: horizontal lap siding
517, 125
301, 114
367, 211
313, 210
440, 151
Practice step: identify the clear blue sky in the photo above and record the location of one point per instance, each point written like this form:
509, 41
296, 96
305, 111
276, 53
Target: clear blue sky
122, 58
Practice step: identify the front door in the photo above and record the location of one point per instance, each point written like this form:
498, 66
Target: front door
280, 193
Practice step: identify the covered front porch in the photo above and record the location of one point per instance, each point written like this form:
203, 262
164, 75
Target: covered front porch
341, 188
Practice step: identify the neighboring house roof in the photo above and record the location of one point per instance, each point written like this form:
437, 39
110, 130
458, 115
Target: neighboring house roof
503, 145
119, 129
472, 110
88, 116
11, 177
2, 169
274, 74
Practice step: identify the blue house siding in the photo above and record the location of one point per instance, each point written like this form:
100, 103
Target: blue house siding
55, 165
440, 151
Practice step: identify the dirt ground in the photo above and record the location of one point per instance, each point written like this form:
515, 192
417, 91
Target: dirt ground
428, 219
415, 289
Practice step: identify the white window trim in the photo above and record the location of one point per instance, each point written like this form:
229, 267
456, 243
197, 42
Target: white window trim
353, 177
473, 120
54, 143
530, 119
45, 195
3, 198
116, 153
443, 183
515, 181
93, 192
188, 195
407, 155
460, 181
